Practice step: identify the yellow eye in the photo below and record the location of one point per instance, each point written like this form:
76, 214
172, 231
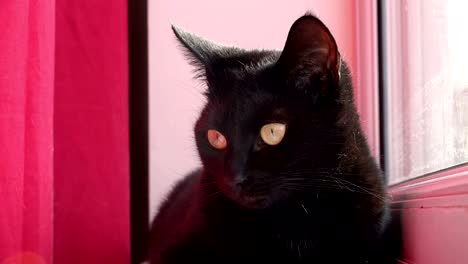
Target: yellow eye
216, 139
273, 133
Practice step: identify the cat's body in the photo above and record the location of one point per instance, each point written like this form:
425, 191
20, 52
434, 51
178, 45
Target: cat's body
315, 197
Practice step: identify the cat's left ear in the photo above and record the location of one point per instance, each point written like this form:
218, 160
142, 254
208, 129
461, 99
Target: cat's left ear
310, 53
200, 52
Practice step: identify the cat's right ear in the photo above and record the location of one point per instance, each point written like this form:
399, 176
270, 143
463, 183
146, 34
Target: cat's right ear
310, 53
200, 52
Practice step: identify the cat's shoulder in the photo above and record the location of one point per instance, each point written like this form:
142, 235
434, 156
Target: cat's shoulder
183, 187
188, 181
174, 207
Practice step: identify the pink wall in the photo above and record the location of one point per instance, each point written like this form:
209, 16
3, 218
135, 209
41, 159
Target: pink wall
175, 98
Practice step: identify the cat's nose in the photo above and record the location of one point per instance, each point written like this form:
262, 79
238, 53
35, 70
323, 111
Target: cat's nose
237, 181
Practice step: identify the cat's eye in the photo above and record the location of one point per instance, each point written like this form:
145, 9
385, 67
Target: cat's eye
216, 139
273, 133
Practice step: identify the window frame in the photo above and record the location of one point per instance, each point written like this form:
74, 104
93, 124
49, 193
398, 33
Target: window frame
366, 79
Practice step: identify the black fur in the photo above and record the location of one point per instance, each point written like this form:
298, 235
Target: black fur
317, 197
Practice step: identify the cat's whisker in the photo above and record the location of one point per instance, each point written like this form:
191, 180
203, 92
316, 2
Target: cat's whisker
363, 189
209, 195
335, 182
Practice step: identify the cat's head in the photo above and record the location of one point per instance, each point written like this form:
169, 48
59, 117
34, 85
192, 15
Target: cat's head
269, 128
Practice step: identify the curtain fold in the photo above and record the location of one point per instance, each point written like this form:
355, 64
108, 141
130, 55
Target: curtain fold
64, 169
91, 133
26, 129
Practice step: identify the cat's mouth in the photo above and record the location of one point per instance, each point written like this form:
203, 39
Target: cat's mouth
253, 201
247, 199
246, 193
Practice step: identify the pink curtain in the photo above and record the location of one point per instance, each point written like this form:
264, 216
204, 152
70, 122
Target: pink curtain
64, 169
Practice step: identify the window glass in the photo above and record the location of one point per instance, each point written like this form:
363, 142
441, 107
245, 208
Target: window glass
425, 59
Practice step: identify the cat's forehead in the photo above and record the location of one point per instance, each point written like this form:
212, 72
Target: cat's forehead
246, 77
246, 109
245, 91
242, 99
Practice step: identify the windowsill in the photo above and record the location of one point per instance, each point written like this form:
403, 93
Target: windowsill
431, 213
448, 187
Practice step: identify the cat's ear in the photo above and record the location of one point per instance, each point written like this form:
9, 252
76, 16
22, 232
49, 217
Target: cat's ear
310, 53
200, 52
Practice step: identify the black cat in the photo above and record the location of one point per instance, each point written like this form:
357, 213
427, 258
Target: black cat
287, 174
